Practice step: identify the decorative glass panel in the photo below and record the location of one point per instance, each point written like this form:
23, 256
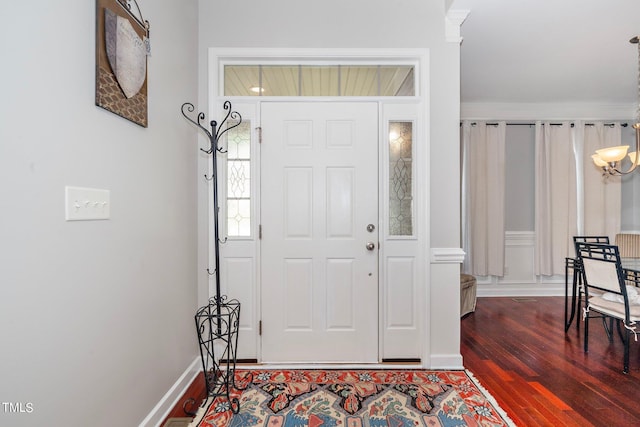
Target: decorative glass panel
239, 180
400, 178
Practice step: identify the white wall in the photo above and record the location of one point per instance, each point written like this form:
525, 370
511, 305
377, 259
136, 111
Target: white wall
97, 316
367, 24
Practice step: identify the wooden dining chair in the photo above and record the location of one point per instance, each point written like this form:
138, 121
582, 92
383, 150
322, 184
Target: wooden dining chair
606, 294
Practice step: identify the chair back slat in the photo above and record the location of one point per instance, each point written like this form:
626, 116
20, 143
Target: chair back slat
589, 239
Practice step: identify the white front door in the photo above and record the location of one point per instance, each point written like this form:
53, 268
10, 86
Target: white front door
319, 217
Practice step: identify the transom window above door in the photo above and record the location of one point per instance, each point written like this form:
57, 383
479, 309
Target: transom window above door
319, 80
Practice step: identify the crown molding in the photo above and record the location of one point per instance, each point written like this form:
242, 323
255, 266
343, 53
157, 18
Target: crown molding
452, 22
545, 111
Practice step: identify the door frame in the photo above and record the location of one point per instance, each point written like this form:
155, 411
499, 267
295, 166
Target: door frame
390, 108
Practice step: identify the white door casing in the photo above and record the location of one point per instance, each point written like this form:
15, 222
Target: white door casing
319, 192
405, 273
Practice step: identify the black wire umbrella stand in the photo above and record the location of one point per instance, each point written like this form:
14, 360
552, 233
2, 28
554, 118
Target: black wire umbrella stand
217, 323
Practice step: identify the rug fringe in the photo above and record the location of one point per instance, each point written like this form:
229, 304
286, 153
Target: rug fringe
490, 398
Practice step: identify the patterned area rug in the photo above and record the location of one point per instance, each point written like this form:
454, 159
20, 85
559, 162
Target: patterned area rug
355, 398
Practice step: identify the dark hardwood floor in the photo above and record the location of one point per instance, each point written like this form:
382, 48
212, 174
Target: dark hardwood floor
517, 349
541, 376
190, 401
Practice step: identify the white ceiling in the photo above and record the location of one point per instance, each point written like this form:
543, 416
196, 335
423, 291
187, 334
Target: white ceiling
549, 51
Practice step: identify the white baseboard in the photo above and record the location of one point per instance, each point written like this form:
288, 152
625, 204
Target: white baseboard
446, 361
520, 290
171, 397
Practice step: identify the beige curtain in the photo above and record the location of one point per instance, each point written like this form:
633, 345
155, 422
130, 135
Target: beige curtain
555, 198
602, 197
483, 151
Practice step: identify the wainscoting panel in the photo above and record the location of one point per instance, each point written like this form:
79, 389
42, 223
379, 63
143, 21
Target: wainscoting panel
519, 275
519, 258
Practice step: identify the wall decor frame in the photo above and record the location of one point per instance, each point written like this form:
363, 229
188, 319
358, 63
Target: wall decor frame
122, 48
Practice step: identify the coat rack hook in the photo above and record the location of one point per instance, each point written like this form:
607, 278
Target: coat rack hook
187, 110
233, 115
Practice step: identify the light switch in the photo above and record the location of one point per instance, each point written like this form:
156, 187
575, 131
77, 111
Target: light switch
86, 203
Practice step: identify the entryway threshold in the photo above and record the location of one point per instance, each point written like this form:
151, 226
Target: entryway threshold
326, 366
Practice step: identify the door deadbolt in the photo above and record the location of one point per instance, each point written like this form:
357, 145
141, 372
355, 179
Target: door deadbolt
370, 228
370, 246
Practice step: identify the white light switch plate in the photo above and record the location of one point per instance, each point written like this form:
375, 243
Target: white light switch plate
86, 203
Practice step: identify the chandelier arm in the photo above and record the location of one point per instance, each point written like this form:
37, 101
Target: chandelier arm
636, 160
636, 126
613, 170
636, 41
617, 172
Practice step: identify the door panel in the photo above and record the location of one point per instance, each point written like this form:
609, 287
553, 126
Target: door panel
319, 191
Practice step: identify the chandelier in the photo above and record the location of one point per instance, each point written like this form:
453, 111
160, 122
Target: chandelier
610, 159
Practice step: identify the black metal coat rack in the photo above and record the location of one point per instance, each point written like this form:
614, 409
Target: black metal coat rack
217, 323
214, 149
